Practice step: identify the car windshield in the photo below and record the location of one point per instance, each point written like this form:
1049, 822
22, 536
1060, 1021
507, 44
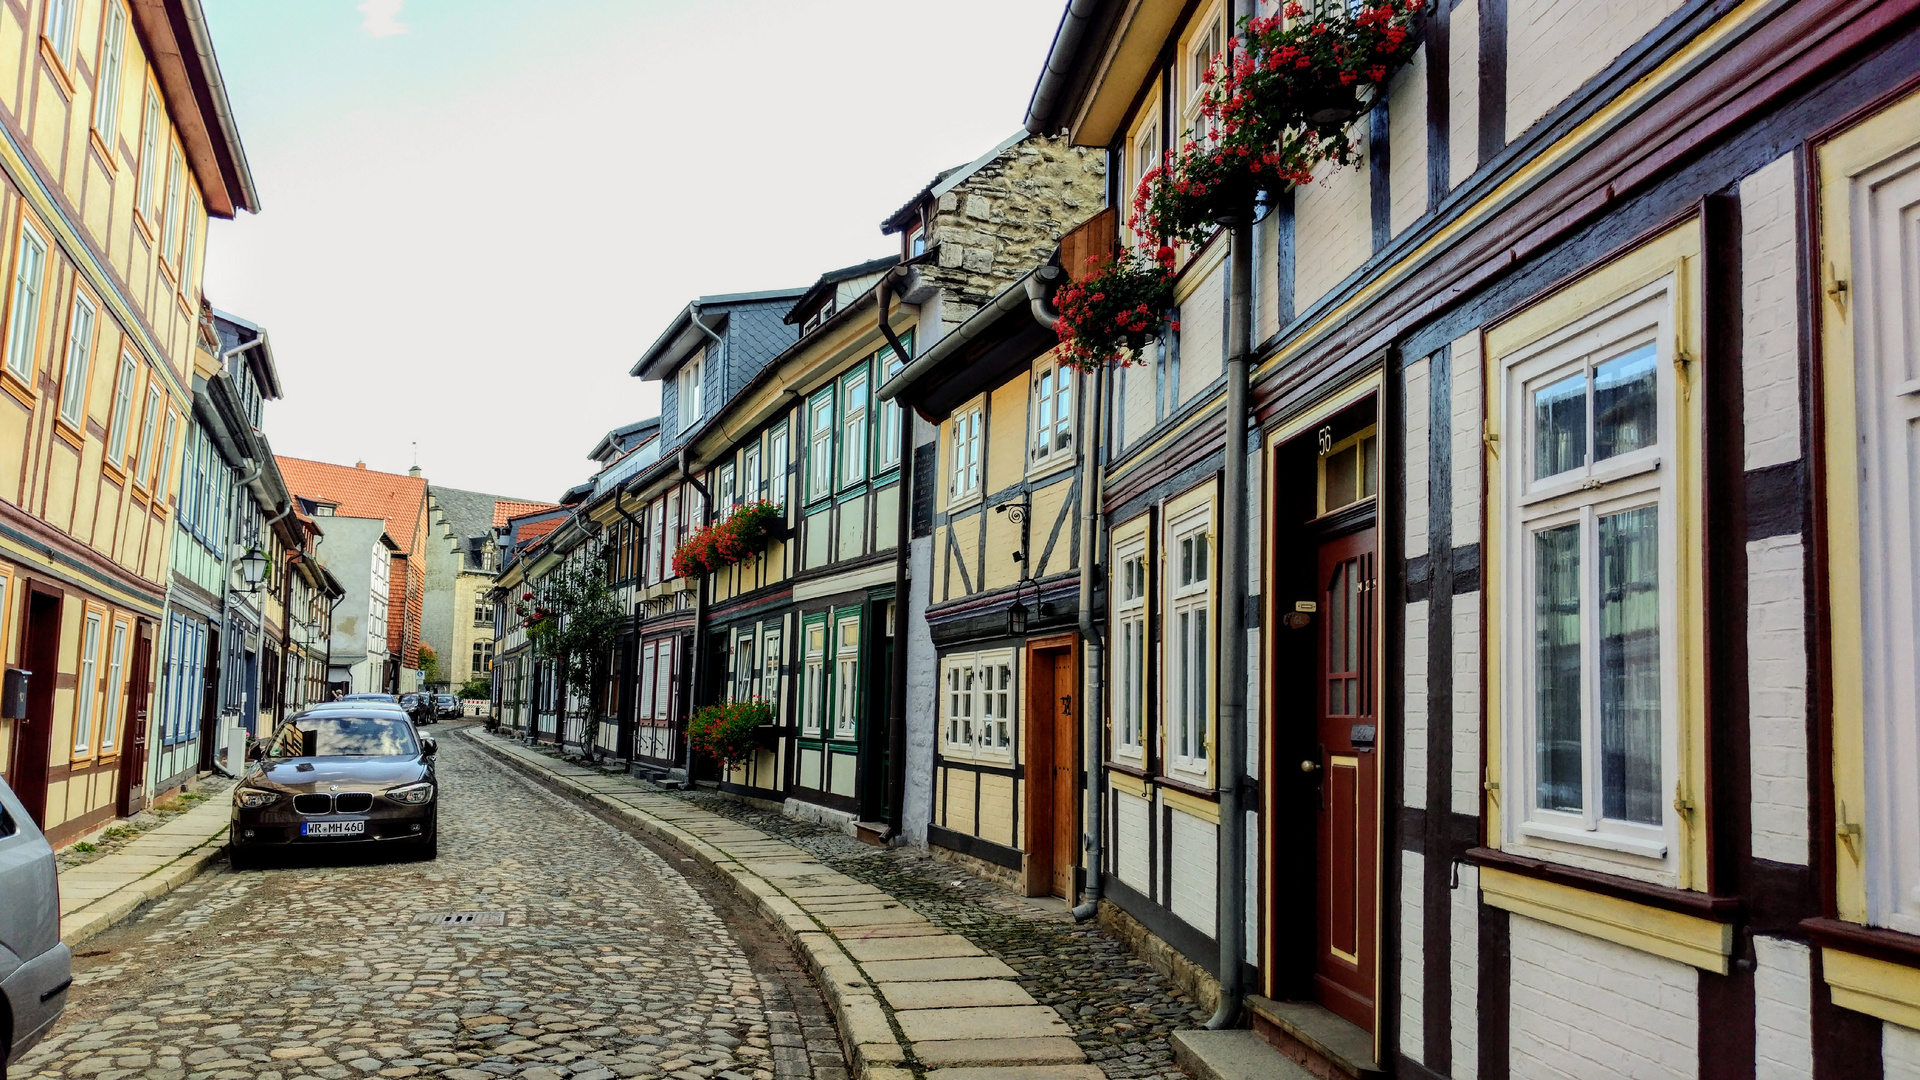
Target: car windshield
345, 736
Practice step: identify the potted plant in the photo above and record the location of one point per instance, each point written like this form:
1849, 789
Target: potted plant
729, 732
1109, 316
1317, 64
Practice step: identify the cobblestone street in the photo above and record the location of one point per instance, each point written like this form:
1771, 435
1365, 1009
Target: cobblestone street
613, 960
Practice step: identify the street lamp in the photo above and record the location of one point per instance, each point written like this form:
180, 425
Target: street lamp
253, 567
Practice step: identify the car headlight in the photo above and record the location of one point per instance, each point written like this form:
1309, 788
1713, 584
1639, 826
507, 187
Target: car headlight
411, 794
253, 798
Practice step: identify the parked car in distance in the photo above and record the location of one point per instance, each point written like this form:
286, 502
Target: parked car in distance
36, 967
420, 707
338, 776
448, 707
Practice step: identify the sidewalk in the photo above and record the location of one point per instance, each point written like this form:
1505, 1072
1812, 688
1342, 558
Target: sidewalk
916, 958
96, 895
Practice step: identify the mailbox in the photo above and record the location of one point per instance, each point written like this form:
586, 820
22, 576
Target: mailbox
13, 694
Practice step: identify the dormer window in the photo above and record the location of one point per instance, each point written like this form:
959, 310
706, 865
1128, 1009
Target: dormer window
916, 241
691, 385
324, 509
819, 317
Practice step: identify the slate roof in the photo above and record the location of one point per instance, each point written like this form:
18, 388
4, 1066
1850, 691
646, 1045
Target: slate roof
824, 287
944, 181
513, 508
468, 513
358, 491
713, 311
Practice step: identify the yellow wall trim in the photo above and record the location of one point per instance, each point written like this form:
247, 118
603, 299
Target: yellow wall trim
1191, 805
1875, 987
1127, 783
1689, 939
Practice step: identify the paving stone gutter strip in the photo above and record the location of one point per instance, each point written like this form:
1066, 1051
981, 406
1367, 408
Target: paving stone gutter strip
910, 997
98, 895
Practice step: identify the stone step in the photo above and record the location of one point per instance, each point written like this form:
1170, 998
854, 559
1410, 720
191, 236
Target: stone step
1236, 1054
1057, 1050
1312, 1035
1019, 1072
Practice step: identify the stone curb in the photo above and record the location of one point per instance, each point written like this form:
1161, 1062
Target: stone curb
874, 1050
115, 908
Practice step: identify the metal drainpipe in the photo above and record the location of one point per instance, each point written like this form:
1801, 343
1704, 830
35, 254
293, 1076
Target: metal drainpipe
625, 735
1093, 696
902, 562
700, 600
1233, 637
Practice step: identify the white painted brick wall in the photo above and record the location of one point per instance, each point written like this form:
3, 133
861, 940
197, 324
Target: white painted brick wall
1195, 853
1777, 697
1419, 386
1201, 343
1333, 225
1899, 1052
1553, 46
1770, 337
1587, 1009
1136, 418
1415, 759
1131, 842
1251, 905
1464, 368
1465, 1008
1407, 140
1782, 1004
1267, 278
1412, 959
1463, 106
1467, 772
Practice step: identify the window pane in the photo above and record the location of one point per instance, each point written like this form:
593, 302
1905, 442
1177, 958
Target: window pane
1343, 477
1200, 632
1630, 666
1625, 399
1560, 426
1557, 668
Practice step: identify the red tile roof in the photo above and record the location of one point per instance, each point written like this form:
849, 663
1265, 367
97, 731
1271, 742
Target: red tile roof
513, 508
534, 530
358, 491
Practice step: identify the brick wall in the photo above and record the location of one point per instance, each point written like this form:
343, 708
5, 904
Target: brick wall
1463, 108
1900, 1052
1783, 1036
1333, 225
1777, 697
1414, 757
1194, 880
1464, 1010
1554, 46
1587, 1009
1413, 1032
1407, 143
1770, 341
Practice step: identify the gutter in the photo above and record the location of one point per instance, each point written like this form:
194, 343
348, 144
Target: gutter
1030, 291
222, 109
1074, 24
902, 563
1093, 527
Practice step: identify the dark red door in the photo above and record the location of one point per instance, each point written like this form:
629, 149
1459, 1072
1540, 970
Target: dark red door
133, 762
1348, 886
33, 745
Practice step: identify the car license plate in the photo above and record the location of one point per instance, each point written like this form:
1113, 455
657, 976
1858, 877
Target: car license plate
333, 828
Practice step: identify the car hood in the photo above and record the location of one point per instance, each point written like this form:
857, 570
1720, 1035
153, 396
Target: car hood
311, 773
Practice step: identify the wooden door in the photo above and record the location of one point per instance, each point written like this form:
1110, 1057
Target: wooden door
1348, 842
33, 743
133, 762
1052, 770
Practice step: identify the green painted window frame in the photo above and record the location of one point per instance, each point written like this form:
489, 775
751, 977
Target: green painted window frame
881, 465
857, 372
821, 619
831, 729
812, 493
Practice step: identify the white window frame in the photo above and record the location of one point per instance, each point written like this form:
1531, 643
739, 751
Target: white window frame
813, 678
60, 30
149, 157
141, 468
1190, 694
106, 103
170, 228
1645, 477
856, 390
1052, 413
846, 673
724, 494
163, 480
73, 381
116, 683
751, 482
770, 660
820, 446
779, 463
692, 385
1131, 643
959, 703
964, 445
1206, 39
886, 450
126, 383
23, 315
87, 686
1144, 154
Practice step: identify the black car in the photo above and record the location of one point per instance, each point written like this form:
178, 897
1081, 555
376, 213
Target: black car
448, 707
338, 776
420, 707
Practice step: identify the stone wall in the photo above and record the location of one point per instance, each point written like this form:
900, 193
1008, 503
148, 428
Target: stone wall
1007, 218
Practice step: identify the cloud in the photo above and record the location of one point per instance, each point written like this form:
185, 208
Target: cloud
382, 18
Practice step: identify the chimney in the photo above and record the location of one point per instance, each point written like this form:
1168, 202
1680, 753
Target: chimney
415, 471
360, 465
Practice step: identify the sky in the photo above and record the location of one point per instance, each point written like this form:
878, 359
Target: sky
477, 214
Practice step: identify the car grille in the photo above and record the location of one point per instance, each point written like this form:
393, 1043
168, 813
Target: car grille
313, 804
353, 802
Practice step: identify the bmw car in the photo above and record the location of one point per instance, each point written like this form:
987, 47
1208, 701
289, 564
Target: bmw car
359, 777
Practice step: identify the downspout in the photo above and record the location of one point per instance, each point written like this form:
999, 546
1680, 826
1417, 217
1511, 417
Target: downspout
624, 738
700, 599
902, 563
1233, 635
1092, 634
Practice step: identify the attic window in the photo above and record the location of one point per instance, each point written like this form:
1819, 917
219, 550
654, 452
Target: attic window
820, 316
916, 241
324, 509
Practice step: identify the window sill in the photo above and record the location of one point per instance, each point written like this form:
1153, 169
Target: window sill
1871, 985
60, 73
1653, 850
100, 147
1703, 940
1054, 462
964, 502
18, 387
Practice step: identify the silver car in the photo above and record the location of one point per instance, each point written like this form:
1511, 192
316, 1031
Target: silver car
36, 967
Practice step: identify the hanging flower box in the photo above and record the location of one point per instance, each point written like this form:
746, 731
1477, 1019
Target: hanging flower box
740, 537
1316, 65
728, 733
1109, 316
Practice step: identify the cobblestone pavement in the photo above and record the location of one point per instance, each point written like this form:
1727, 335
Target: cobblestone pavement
615, 960
1121, 1009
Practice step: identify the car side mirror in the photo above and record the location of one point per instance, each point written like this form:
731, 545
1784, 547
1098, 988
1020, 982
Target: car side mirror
428, 746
